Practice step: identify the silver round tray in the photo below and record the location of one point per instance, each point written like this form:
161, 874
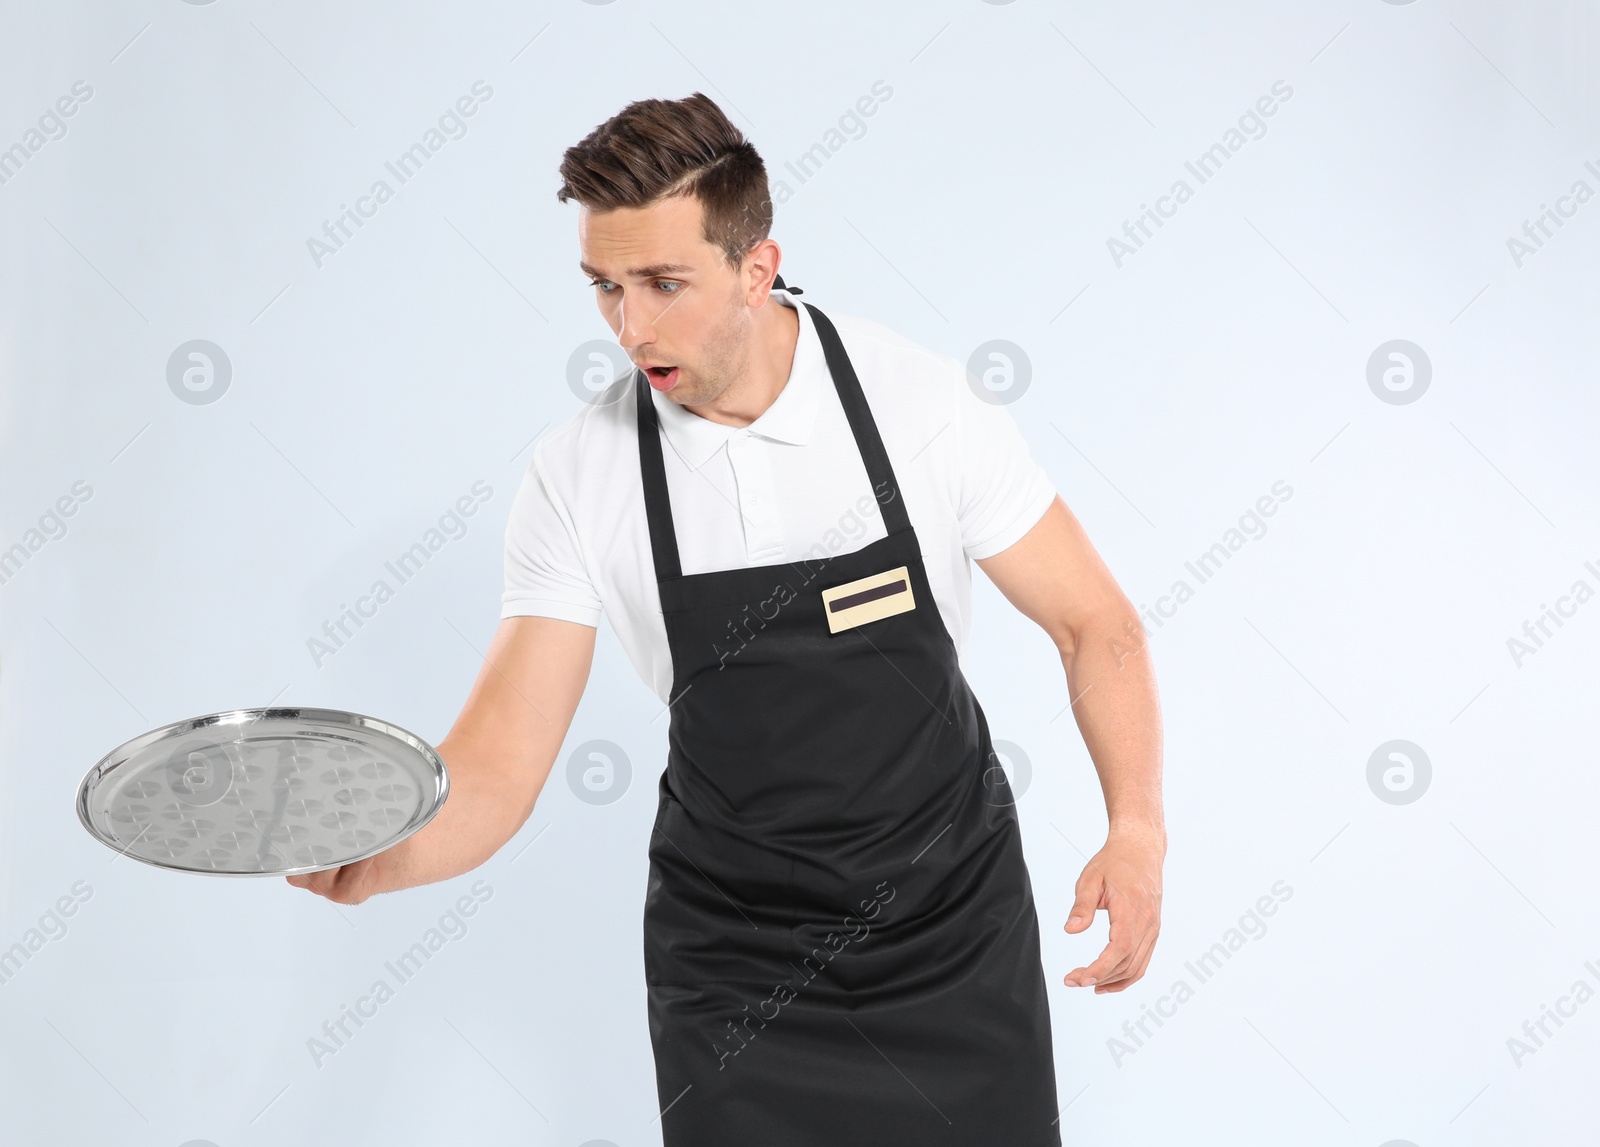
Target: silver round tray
263, 792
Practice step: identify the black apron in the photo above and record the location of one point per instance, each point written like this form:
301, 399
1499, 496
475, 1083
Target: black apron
840, 942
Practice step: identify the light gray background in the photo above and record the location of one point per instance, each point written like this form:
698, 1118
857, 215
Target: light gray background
1168, 394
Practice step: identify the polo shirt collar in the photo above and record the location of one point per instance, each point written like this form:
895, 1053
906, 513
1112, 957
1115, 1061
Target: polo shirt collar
790, 418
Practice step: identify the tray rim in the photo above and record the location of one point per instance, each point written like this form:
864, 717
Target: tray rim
109, 763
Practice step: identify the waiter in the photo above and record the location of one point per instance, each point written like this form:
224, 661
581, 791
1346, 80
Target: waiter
775, 510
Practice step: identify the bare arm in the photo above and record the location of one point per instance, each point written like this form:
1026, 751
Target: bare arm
499, 753
1054, 577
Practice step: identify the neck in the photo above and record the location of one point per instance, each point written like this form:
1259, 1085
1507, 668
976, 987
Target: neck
775, 334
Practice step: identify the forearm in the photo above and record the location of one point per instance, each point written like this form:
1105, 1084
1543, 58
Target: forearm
492, 792
498, 754
1109, 675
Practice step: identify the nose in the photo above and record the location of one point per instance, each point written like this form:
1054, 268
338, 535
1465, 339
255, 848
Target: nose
634, 325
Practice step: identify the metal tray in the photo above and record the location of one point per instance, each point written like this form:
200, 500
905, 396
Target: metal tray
263, 792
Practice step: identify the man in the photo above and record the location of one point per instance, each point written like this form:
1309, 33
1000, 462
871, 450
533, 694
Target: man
776, 510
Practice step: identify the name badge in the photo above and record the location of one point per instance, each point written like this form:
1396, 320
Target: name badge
868, 599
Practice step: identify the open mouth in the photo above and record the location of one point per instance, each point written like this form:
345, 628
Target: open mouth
662, 377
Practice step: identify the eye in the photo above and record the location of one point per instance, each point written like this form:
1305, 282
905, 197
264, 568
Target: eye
669, 283
602, 283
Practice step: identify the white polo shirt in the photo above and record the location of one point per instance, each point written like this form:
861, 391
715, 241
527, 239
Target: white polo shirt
790, 485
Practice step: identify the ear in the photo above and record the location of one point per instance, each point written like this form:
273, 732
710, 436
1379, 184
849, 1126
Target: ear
760, 268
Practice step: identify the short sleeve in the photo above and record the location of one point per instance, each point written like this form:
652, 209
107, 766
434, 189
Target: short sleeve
544, 570
1003, 491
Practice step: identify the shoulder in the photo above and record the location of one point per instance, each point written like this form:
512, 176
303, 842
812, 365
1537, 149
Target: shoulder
914, 390
873, 337
598, 436
895, 362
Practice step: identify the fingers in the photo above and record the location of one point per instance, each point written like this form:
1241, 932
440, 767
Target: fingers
1091, 885
321, 882
1130, 941
340, 885
1112, 959
1132, 970
1090, 889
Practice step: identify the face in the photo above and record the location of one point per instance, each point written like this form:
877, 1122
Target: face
675, 305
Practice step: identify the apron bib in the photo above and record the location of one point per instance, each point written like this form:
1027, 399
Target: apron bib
840, 942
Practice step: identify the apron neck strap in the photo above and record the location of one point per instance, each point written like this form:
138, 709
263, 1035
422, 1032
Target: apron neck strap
658, 506
873, 456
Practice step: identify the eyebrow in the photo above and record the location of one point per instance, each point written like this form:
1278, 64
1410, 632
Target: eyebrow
649, 272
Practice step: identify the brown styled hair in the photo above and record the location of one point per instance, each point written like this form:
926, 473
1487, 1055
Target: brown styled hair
657, 149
